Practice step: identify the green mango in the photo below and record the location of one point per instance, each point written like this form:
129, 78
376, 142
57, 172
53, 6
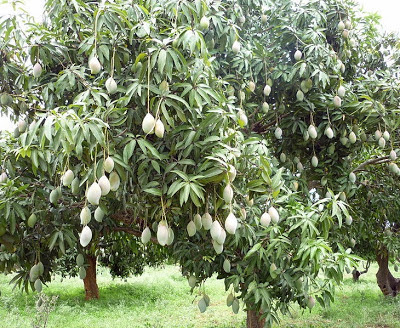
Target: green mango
32, 220
202, 305
34, 273
80, 260
235, 306
82, 272
229, 299
41, 268
38, 285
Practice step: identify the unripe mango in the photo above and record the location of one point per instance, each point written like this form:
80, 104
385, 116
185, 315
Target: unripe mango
108, 165
99, 214
221, 238
55, 195
68, 177
197, 221
146, 235
85, 215
206, 220
80, 260
37, 70
267, 90
32, 220
312, 131
162, 233
227, 266
191, 228
114, 181
217, 247
298, 55
265, 219
86, 236
94, 65
329, 132
215, 230
111, 85
273, 213
236, 47
104, 185
252, 86
148, 123
204, 23
159, 129
231, 223
228, 193
94, 194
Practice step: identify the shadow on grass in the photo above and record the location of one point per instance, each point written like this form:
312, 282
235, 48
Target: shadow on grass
127, 294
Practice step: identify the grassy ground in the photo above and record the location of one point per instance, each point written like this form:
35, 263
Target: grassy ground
161, 298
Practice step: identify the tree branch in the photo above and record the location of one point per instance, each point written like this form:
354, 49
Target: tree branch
133, 232
373, 161
366, 267
259, 128
126, 218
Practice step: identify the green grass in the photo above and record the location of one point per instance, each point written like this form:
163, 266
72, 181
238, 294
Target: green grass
161, 298
356, 305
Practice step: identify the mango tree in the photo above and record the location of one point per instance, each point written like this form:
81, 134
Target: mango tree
165, 120
332, 119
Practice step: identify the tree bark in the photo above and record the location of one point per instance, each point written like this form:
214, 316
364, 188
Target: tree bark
90, 282
253, 320
388, 284
372, 161
356, 274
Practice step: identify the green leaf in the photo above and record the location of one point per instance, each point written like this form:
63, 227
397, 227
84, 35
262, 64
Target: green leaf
254, 249
53, 240
144, 144
175, 187
184, 194
97, 133
156, 166
162, 57
153, 191
276, 180
47, 127
128, 150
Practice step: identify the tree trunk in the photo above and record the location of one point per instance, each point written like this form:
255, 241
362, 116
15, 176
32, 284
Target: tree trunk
356, 275
388, 284
253, 320
90, 282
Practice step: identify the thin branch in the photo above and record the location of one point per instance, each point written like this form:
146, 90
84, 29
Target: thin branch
133, 232
126, 218
257, 127
122, 133
373, 161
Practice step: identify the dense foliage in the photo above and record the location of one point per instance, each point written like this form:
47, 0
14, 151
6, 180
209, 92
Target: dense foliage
203, 107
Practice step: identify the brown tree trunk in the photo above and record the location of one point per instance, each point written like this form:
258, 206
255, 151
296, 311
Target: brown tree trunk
388, 284
90, 282
356, 274
253, 320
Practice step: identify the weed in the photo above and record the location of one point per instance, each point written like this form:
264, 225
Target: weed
44, 306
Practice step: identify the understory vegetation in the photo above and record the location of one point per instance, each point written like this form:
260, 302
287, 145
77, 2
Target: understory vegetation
161, 298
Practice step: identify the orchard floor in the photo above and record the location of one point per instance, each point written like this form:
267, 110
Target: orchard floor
161, 298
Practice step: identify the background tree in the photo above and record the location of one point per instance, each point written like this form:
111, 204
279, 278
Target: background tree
341, 127
184, 110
